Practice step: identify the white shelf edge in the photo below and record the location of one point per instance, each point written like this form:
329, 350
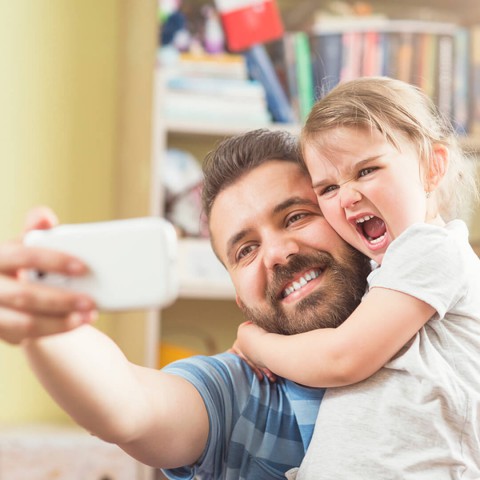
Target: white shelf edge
217, 129
210, 291
201, 275
469, 142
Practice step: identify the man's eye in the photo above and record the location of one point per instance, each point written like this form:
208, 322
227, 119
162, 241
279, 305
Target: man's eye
295, 218
244, 251
365, 171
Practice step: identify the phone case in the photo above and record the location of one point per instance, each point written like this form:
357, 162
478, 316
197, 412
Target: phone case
133, 263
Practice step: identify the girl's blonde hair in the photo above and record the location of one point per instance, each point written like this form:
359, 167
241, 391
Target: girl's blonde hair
392, 106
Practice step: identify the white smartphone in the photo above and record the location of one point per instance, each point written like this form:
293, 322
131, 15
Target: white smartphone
132, 263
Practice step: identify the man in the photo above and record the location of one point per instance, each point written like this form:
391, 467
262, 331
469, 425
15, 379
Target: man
210, 416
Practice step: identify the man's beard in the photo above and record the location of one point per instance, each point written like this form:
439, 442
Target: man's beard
342, 288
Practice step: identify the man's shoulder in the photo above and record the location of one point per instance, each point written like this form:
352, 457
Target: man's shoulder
225, 368
229, 373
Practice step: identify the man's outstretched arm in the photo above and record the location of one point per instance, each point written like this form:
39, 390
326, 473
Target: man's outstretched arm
158, 418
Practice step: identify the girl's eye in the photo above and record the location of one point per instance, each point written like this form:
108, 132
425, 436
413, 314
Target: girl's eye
327, 190
365, 171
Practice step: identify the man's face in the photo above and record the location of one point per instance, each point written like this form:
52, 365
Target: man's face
291, 271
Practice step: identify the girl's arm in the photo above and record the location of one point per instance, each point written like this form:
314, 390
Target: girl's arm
419, 277
379, 327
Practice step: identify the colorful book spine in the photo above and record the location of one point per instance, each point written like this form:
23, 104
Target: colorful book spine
249, 22
327, 61
444, 98
475, 79
461, 80
304, 74
261, 69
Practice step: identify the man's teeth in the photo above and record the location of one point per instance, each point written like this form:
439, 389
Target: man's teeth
301, 282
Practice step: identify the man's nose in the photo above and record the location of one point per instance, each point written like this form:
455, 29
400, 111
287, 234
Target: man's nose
349, 195
277, 251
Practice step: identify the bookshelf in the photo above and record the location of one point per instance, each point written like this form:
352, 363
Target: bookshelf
199, 137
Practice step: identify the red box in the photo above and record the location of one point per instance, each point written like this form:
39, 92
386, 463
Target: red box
248, 22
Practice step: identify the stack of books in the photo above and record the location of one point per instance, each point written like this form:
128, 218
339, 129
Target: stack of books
441, 58
215, 89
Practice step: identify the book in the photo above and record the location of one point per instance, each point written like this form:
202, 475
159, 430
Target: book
326, 60
419, 58
475, 79
351, 55
430, 68
304, 74
405, 56
223, 65
372, 56
391, 43
282, 54
444, 94
261, 69
195, 107
461, 80
226, 87
249, 22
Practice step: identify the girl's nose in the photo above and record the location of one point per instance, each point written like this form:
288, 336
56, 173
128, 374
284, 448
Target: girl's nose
349, 195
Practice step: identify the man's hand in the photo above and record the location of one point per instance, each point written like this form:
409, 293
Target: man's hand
29, 310
245, 347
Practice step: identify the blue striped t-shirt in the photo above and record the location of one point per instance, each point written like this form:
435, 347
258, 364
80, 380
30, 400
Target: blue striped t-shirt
258, 430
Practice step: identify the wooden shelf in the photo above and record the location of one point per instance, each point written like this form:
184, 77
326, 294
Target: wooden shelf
217, 129
201, 273
469, 143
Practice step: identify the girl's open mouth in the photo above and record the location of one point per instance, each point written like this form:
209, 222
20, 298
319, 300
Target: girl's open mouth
372, 228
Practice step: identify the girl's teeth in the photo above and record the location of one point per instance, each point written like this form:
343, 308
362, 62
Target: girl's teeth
364, 219
374, 241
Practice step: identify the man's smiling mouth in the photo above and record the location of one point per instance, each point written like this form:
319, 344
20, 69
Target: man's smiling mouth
300, 282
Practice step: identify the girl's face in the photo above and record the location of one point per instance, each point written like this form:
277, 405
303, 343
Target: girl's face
368, 191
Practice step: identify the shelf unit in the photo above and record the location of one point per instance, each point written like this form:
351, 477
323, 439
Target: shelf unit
199, 138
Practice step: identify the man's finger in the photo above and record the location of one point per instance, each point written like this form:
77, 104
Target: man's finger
40, 218
15, 256
40, 299
17, 326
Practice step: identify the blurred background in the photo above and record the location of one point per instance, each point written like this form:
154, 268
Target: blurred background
108, 107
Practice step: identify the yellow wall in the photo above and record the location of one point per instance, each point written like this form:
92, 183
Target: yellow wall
58, 93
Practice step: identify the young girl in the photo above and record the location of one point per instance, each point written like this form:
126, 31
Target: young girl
392, 181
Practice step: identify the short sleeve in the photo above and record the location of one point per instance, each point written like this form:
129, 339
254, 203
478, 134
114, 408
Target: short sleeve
212, 377
425, 262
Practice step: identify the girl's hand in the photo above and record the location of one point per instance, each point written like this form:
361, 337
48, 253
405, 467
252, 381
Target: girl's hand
246, 346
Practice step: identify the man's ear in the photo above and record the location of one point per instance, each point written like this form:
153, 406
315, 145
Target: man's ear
238, 301
437, 167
